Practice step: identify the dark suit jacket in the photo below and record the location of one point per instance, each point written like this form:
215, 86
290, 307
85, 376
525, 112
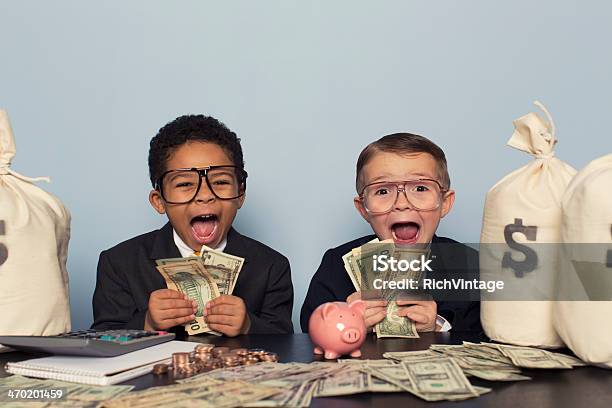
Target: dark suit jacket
331, 282
127, 276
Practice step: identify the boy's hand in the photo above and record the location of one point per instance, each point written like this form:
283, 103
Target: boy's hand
375, 310
423, 312
169, 308
227, 314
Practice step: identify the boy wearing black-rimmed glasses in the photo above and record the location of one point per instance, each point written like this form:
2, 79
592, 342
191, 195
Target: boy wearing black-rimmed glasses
196, 167
403, 191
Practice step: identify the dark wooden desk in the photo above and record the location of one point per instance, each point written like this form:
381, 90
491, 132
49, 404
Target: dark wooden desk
582, 387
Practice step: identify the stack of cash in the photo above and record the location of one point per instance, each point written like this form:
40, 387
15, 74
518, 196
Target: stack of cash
202, 278
454, 363
206, 392
440, 373
359, 266
29, 392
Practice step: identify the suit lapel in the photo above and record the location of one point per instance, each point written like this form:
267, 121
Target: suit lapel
437, 254
236, 245
163, 244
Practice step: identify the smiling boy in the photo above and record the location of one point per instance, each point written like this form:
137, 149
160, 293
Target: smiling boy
197, 171
403, 191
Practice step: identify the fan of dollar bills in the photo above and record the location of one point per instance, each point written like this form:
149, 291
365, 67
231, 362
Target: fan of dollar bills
441, 373
202, 278
359, 266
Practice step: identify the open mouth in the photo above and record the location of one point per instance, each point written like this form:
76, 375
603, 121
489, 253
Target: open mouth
405, 232
204, 228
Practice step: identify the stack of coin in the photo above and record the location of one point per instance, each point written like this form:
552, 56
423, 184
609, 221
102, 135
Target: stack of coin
203, 352
218, 351
215, 363
230, 360
268, 356
256, 352
250, 360
207, 357
160, 369
180, 360
182, 364
206, 348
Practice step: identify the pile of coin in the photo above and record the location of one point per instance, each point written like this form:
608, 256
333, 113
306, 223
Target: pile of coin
207, 357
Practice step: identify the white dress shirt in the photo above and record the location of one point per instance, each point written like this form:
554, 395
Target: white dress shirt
186, 251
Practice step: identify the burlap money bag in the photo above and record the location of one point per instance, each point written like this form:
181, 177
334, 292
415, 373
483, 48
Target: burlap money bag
34, 234
524, 208
586, 269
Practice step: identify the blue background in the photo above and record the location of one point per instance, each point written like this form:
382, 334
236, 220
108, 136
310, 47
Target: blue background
306, 85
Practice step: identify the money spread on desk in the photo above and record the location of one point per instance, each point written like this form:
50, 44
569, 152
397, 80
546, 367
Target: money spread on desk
358, 266
202, 278
440, 373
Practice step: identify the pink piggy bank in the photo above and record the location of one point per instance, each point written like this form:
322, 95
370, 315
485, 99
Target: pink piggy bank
338, 328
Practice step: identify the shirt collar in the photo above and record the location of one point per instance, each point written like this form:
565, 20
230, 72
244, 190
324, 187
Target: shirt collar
186, 251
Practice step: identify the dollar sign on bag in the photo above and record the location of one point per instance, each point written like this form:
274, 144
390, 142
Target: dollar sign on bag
531, 258
3, 248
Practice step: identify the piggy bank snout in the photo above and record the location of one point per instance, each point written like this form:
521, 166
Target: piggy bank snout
351, 335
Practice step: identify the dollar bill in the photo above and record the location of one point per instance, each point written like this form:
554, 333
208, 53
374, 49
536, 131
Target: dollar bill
347, 382
571, 360
404, 253
396, 326
351, 266
358, 264
496, 375
441, 376
530, 357
233, 264
363, 259
193, 280
206, 392
395, 374
74, 394
224, 278
407, 356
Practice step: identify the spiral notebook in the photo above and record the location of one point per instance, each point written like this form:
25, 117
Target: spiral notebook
100, 370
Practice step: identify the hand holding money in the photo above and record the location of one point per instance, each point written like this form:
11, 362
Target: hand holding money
169, 308
227, 315
202, 279
387, 321
422, 312
375, 310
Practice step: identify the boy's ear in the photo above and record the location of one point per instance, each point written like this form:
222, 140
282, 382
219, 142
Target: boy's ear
447, 203
241, 200
157, 202
359, 206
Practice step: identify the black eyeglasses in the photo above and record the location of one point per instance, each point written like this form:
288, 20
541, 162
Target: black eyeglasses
180, 186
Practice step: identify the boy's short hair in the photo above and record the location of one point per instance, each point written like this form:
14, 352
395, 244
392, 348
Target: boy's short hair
404, 143
188, 128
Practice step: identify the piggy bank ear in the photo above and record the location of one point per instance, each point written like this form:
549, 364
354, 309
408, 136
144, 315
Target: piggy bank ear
327, 309
358, 306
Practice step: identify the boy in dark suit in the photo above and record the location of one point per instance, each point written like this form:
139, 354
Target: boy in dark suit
403, 191
197, 171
